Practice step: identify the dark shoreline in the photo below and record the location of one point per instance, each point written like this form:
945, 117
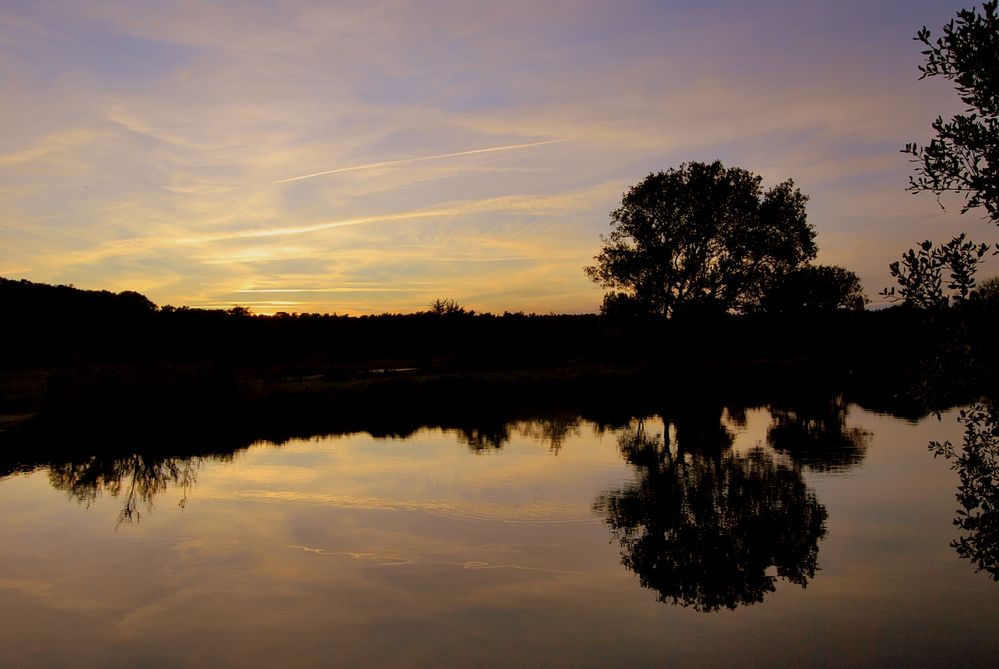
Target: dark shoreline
178, 411
85, 372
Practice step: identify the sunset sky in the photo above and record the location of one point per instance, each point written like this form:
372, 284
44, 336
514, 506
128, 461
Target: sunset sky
368, 157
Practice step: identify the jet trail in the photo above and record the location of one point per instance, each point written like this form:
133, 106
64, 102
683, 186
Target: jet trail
404, 161
339, 170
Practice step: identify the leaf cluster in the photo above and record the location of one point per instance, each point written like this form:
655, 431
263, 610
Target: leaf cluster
964, 156
920, 273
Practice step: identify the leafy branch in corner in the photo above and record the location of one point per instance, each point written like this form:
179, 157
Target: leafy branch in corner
964, 156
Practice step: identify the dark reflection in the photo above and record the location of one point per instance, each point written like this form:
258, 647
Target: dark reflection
552, 432
136, 479
706, 527
485, 436
813, 431
977, 466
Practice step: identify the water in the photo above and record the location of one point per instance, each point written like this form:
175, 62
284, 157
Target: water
705, 538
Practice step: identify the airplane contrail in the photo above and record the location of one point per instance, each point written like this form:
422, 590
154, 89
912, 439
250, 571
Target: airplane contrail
339, 170
403, 161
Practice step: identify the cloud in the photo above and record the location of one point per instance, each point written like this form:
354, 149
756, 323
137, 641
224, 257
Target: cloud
380, 142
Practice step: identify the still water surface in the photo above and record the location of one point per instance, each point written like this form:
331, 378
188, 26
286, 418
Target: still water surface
677, 541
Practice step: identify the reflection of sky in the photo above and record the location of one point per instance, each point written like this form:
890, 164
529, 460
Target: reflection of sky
142, 142
419, 552
432, 472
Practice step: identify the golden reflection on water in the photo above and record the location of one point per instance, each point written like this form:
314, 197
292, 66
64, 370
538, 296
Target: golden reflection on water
427, 551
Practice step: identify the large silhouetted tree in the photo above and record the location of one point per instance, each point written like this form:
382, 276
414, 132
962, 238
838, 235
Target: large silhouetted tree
701, 237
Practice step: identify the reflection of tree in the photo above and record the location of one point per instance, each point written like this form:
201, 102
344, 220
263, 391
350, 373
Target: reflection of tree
136, 478
707, 528
485, 437
494, 435
814, 433
977, 465
552, 431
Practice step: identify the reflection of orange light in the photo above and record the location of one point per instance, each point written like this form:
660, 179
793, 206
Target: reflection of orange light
361, 472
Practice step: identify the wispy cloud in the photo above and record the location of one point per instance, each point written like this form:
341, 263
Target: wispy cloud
192, 149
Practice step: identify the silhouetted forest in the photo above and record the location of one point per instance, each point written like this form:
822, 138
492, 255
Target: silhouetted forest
103, 366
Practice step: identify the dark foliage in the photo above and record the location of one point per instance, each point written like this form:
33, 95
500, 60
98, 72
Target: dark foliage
977, 465
920, 274
704, 527
815, 288
83, 360
702, 237
136, 478
964, 155
814, 431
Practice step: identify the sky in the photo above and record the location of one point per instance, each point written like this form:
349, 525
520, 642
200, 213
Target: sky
373, 156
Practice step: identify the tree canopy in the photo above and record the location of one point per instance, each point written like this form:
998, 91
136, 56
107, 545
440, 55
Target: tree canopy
815, 288
702, 237
964, 155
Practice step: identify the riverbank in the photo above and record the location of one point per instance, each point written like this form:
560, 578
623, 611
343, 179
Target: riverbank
81, 371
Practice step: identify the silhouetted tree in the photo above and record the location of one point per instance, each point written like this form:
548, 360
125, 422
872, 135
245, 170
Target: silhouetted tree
703, 529
702, 236
815, 288
964, 156
988, 292
920, 273
133, 303
622, 305
447, 307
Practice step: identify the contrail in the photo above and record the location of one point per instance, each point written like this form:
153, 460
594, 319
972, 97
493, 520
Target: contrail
339, 170
403, 161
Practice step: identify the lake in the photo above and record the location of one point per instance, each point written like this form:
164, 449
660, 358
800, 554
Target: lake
705, 536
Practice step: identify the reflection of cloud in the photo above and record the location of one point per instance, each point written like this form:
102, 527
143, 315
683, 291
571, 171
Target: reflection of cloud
50, 594
527, 512
395, 560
